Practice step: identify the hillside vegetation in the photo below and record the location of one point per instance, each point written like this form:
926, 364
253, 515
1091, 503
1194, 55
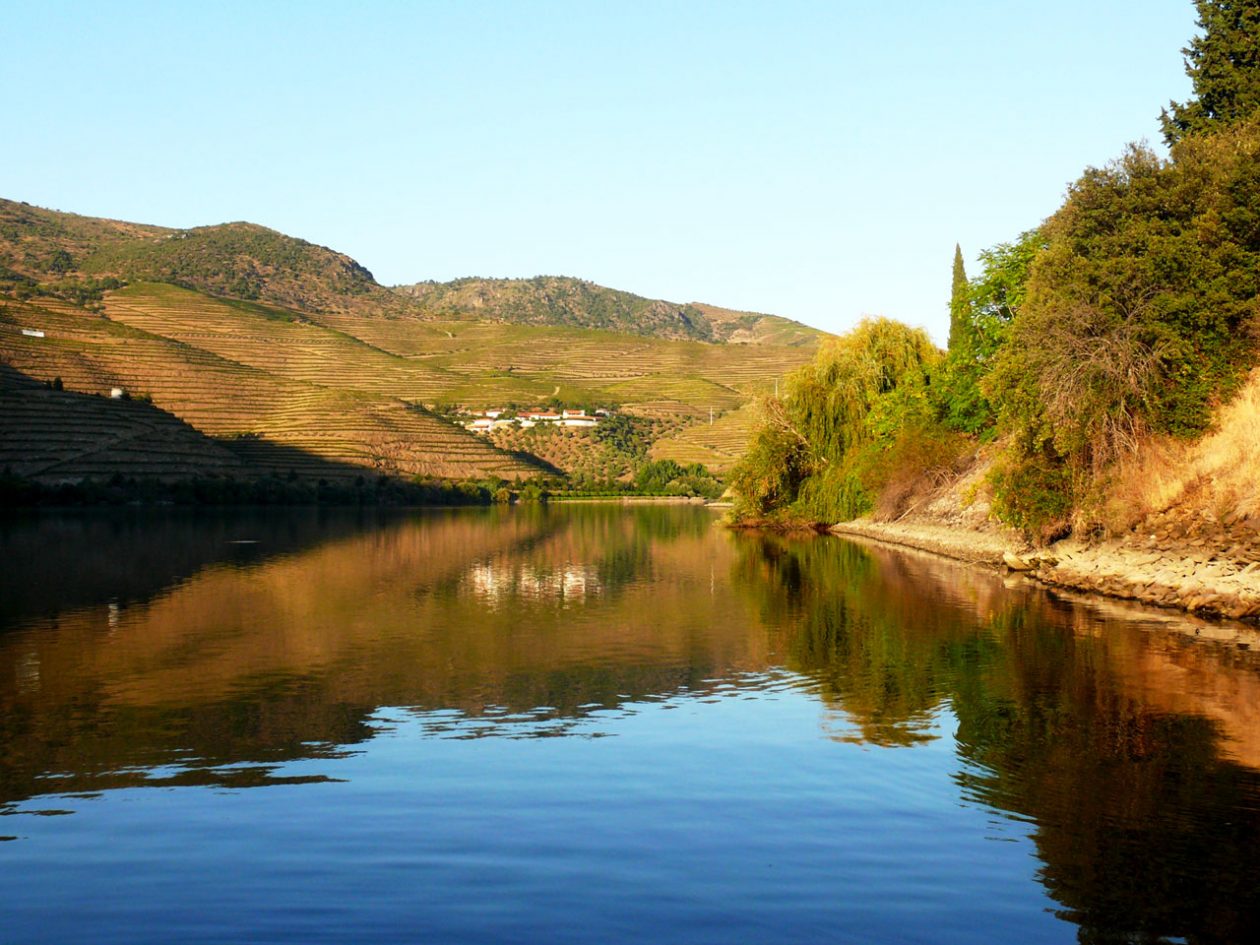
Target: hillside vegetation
563, 301
276, 423
1096, 350
73, 256
63, 254
253, 336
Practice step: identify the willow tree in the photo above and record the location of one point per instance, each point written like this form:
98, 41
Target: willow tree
813, 455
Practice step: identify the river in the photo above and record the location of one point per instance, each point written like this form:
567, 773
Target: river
601, 724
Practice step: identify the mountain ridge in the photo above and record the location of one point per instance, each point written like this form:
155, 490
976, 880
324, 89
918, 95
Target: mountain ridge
582, 303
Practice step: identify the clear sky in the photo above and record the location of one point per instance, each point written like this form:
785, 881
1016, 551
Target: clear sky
815, 160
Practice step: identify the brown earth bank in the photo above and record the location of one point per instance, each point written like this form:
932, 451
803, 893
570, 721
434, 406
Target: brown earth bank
1176, 559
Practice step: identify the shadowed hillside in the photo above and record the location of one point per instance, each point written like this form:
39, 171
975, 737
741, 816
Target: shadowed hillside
49, 435
268, 419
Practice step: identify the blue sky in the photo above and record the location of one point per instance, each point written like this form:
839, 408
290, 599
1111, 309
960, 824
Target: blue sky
815, 160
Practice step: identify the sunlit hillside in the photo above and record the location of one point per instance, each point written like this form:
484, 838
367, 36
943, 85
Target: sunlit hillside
275, 422
266, 341
1216, 476
560, 300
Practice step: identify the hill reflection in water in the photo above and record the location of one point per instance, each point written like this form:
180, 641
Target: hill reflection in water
1130, 750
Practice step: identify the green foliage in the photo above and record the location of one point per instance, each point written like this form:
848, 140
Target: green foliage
817, 453
667, 477
626, 434
1224, 67
834, 494
533, 493
959, 305
769, 476
1140, 314
861, 387
60, 262
982, 313
1034, 493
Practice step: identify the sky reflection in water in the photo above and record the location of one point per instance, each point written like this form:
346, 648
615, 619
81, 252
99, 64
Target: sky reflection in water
597, 724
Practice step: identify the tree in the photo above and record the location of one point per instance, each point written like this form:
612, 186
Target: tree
1224, 66
815, 455
988, 305
1139, 315
59, 263
959, 308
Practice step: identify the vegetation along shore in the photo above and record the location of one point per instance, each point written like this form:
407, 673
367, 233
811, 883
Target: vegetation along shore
1095, 419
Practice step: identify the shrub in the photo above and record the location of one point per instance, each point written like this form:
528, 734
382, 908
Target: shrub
1035, 494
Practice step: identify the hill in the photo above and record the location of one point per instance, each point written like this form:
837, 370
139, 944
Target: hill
79, 257
49, 436
294, 357
564, 301
354, 390
240, 260
275, 423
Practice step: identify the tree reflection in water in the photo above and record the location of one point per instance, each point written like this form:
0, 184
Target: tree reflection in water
175, 657
1132, 752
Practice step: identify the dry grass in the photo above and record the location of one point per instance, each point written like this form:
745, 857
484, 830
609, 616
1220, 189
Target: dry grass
1219, 474
919, 465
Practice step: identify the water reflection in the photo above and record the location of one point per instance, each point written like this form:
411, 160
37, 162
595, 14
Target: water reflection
1132, 748
158, 653
290, 655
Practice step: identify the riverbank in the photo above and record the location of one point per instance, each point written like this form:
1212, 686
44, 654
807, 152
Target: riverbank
629, 499
1190, 563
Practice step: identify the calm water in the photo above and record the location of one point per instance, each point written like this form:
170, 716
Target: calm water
598, 724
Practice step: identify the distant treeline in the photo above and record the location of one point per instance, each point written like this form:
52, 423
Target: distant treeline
266, 490
1129, 313
654, 478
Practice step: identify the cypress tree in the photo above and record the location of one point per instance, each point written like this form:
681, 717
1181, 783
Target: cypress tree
1224, 66
959, 324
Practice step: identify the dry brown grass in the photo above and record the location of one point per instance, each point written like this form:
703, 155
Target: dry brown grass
1218, 474
920, 464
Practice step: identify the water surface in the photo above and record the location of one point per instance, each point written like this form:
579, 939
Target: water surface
598, 724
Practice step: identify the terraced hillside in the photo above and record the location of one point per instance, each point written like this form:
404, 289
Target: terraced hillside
273, 422
524, 363
51, 436
476, 363
294, 354
279, 341
717, 445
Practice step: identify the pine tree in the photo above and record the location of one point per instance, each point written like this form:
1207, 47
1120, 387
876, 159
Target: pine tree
1224, 66
959, 324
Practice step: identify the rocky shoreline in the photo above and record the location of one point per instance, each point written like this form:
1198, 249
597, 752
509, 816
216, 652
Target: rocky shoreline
1203, 566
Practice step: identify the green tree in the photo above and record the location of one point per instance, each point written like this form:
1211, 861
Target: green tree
816, 457
990, 302
1224, 66
959, 307
1141, 311
60, 262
